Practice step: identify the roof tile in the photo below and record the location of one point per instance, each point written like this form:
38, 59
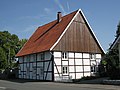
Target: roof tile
45, 36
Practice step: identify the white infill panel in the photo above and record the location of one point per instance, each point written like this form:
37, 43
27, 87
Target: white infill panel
71, 55
24, 67
57, 77
79, 75
86, 61
39, 64
49, 76
57, 69
31, 67
57, 54
86, 74
38, 57
57, 61
30, 75
21, 66
78, 61
98, 61
93, 62
21, 74
71, 61
46, 66
98, 55
79, 69
72, 75
85, 55
78, 55
27, 71
47, 56
32, 58
87, 68
65, 63
20, 59
38, 77
25, 58
71, 69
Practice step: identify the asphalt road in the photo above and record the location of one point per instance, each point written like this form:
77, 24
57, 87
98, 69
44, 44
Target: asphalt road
22, 85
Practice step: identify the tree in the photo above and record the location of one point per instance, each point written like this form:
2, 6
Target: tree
111, 60
118, 30
3, 59
21, 43
10, 44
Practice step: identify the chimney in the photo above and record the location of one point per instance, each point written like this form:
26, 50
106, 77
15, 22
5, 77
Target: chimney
59, 16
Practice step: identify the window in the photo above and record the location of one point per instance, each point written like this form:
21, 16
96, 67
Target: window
65, 69
92, 56
93, 68
64, 55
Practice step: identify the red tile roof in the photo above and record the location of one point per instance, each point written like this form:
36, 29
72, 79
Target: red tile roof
45, 36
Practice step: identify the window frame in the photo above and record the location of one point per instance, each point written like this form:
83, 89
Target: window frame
93, 69
64, 55
92, 56
64, 69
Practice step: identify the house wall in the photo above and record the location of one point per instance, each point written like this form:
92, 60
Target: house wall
79, 65
36, 66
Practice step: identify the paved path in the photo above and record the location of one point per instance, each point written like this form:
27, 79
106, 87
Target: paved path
14, 85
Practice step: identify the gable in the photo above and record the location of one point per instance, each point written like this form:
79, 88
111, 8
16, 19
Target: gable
78, 38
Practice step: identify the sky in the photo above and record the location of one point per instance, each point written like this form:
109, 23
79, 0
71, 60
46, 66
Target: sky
23, 17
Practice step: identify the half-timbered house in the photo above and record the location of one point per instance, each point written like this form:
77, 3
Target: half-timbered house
64, 49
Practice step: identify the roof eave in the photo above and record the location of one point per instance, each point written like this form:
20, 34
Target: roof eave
113, 46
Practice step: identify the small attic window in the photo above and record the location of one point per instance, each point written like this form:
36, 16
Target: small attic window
64, 55
92, 56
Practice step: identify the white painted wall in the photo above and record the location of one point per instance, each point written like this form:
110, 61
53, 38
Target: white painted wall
86, 61
71, 69
71, 61
77, 62
30, 69
87, 68
57, 54
71, 55
79, 75
79, 68
57, 61
98, 55
86, 55
78, 55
